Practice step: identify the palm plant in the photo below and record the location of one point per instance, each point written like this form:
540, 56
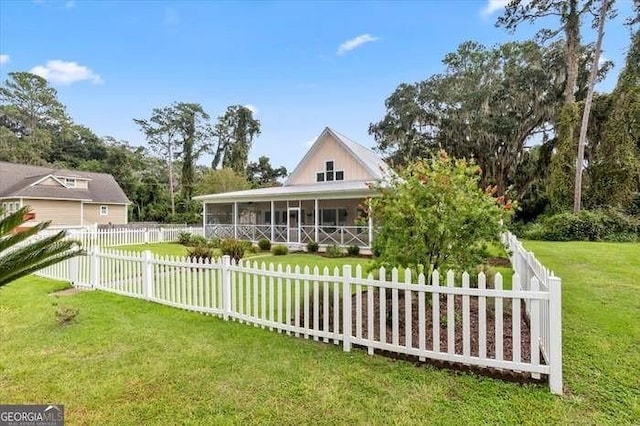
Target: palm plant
20, 257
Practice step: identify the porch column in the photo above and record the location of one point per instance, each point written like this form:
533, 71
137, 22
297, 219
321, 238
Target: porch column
204, 219
288, 222
273, 222
315, 220
235, 219
370, 228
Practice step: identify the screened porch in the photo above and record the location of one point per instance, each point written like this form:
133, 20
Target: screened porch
293, 222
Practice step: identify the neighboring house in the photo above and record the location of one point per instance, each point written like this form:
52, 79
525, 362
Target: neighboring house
321, 201
67, 198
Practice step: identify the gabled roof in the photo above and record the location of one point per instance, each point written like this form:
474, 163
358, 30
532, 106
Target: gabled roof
376, 167
19, 181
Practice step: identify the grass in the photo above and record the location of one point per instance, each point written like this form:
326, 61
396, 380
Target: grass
127, 361
601, 307
162, 249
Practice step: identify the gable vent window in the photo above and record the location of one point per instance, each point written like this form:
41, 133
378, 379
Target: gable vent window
71, 183
329, 174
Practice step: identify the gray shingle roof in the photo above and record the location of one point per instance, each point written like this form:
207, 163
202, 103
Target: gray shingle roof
16, 181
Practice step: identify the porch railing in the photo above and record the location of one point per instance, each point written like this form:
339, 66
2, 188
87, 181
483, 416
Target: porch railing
323, 234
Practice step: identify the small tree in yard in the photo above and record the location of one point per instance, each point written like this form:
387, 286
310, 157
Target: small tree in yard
435, 215
16, 261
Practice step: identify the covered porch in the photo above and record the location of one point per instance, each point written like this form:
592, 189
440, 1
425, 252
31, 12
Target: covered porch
327, 213
341, 222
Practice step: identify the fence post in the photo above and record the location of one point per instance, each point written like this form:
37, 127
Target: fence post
555, 335
146, 236
94, 264
73, 268
161, 235
346, 308
147, 274
226, 286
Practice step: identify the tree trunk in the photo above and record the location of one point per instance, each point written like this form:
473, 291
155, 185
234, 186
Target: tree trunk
577, 197
572, 33
170, 164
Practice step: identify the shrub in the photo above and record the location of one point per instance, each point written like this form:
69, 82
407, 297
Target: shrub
334, 251
312, 247
264, 244
213, 242
200, 252
197, 240
184, 238
279, 250
234, 248
588, 225
353, 250
434, 211
253, 249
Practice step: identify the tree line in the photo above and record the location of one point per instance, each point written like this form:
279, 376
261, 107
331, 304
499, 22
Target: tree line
160, 178
516, 109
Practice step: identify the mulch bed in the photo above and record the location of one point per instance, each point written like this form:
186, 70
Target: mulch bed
502, 262
68, 292
525, 347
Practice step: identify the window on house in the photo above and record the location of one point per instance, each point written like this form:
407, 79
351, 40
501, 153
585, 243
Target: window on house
333, 217
71, 183
328, 217
329, 174
342, 217
104, 210
280, 217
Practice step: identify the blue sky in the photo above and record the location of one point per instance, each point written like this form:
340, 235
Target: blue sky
112, 61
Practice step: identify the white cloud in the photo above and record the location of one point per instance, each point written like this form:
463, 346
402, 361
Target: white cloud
309, 143
252, 108
355, 42
62, 72
493, 6
69, 4
4, 59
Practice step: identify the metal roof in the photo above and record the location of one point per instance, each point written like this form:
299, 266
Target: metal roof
323, 190
376, 167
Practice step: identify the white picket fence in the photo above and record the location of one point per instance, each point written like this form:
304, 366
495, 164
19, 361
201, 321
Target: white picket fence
448, 318
123, 236
549, 315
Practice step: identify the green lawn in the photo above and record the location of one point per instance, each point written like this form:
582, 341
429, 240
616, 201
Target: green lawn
163, 249
127, 361
601, 322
